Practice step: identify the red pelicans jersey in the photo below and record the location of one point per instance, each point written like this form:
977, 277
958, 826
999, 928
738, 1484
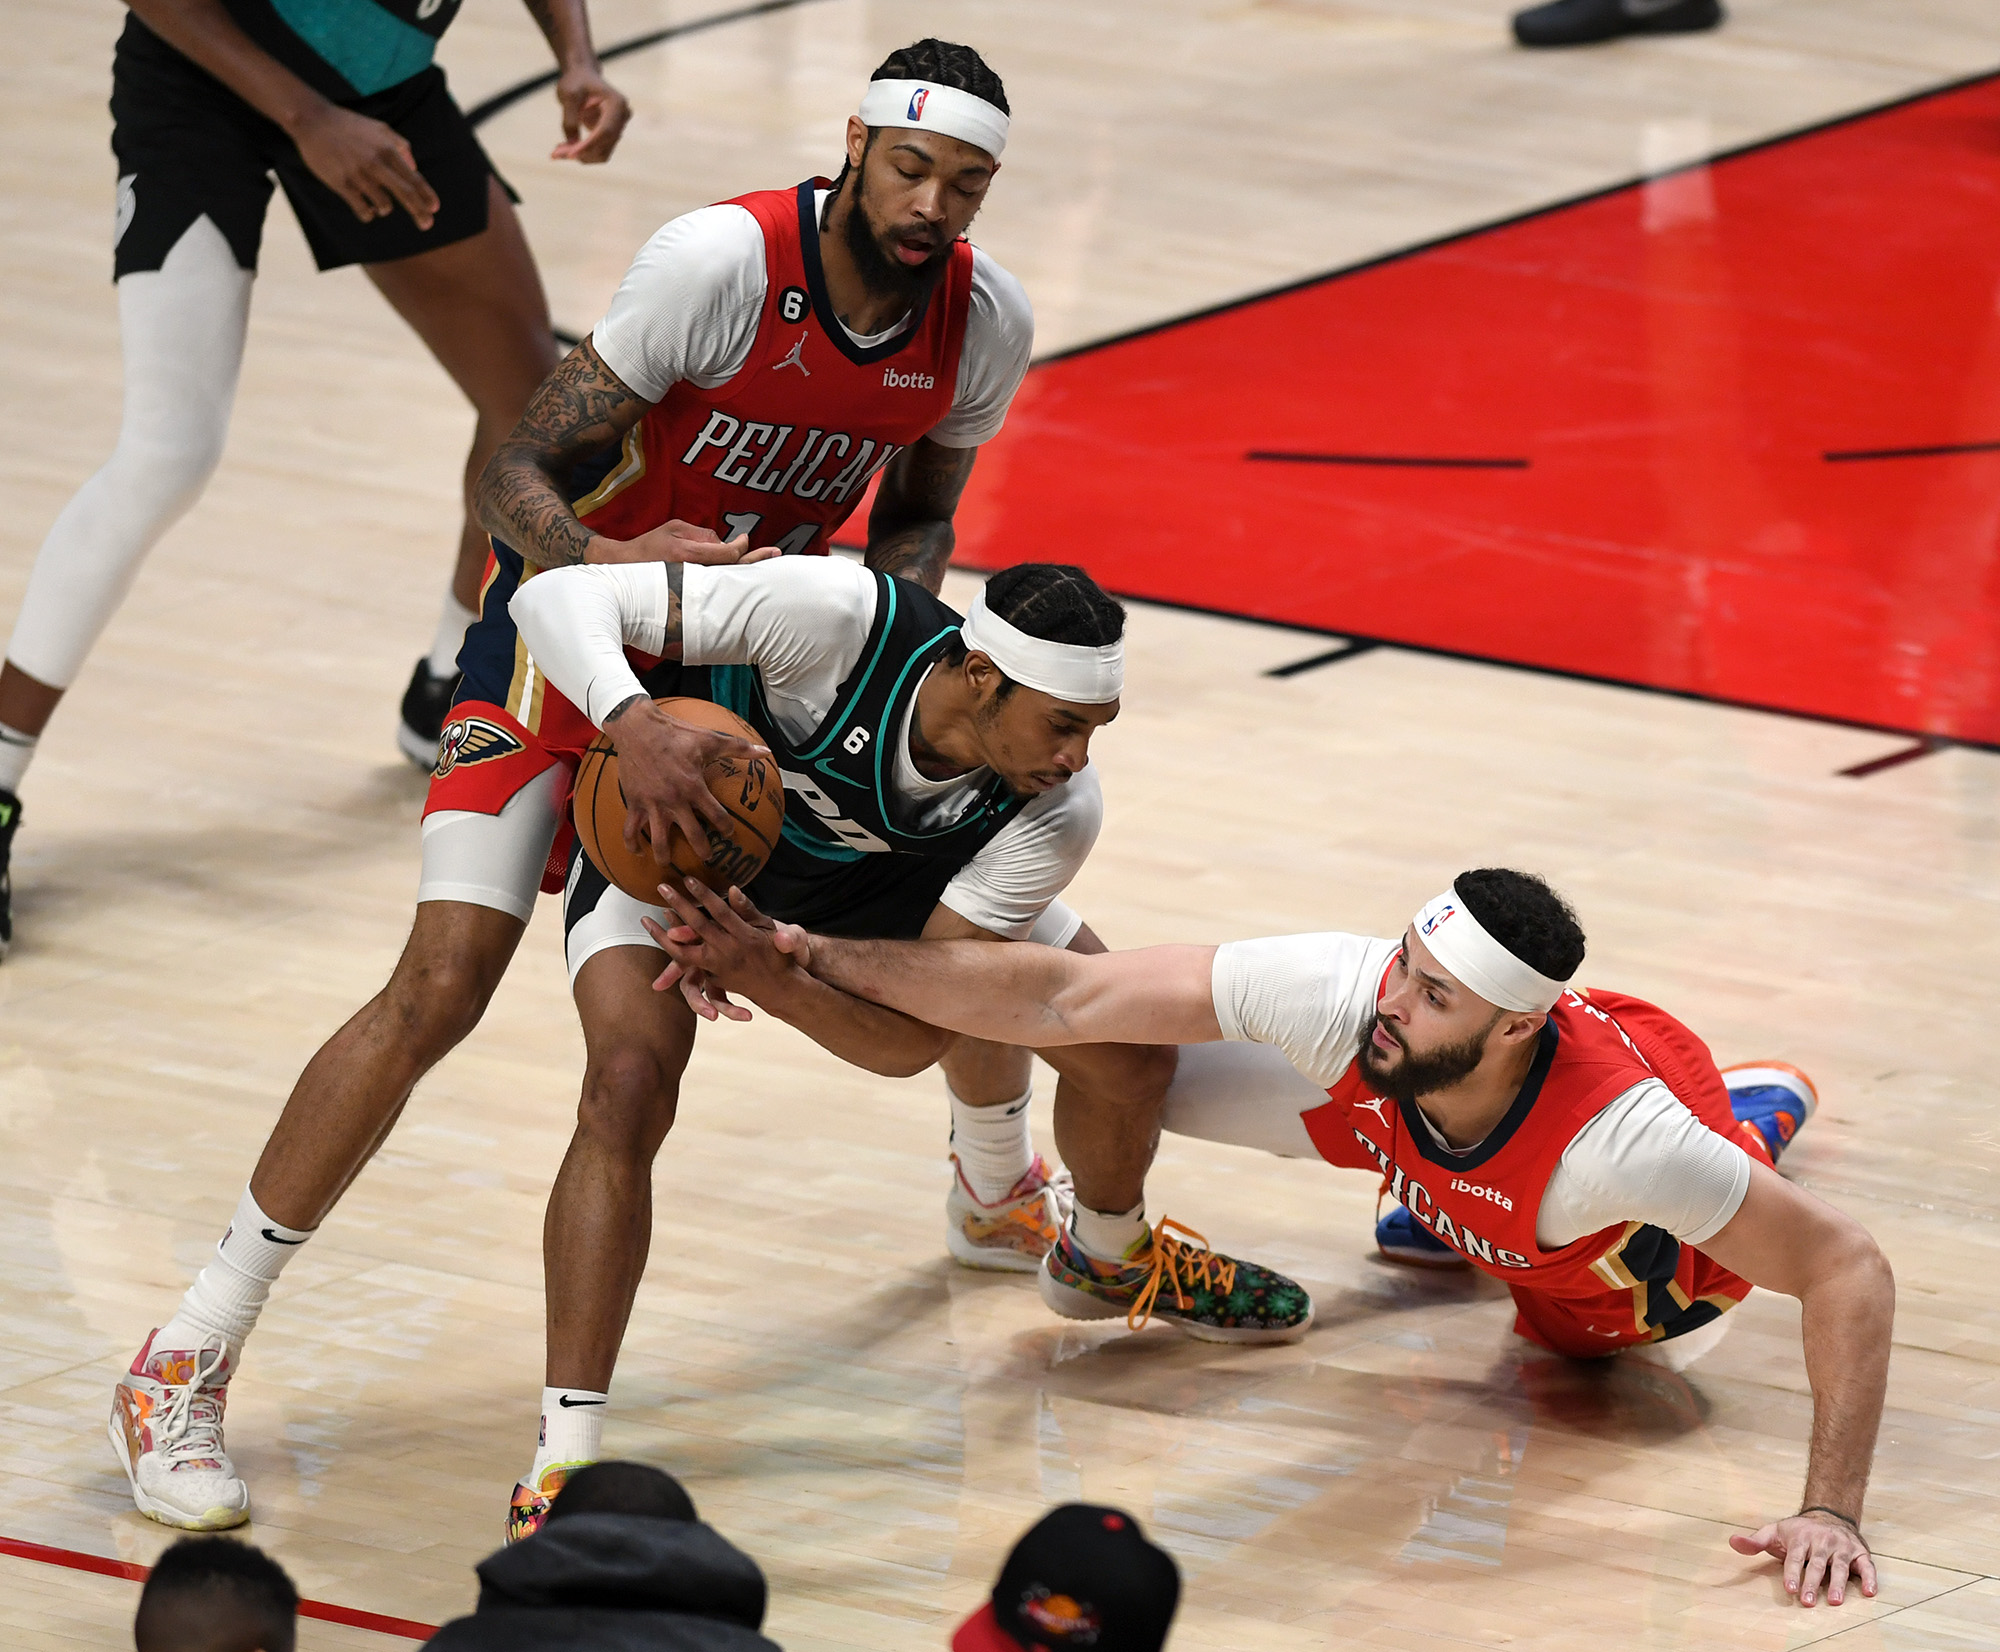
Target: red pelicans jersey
1625, 1284
784, 450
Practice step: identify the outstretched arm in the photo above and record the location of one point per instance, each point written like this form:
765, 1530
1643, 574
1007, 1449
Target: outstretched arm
1032, 995
1786, 1240
910, 530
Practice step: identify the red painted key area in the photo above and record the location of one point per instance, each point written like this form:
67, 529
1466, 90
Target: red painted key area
1654, 380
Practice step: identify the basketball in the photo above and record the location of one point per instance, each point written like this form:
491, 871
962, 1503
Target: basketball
751, 792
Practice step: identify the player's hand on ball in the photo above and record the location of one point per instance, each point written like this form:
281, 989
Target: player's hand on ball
1819, 1551
677, 541
366, 163
660, 763
594, 113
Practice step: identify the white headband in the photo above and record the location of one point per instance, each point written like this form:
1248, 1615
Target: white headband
1070, 671
932, 108
1461, 943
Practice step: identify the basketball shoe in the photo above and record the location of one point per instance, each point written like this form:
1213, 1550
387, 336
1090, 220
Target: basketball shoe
529, 1507
1013, 1235
1400, 1237
1175, 1276
425, 704
1583, 22
10, 823
1773, 1097
166, 1426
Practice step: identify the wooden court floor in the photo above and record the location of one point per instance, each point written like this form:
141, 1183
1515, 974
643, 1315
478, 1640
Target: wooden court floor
220, 852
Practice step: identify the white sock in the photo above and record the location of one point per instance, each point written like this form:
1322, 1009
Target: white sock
16, 750
992, 1144
450, 636
1109, 1236
228, 1295
572, 1427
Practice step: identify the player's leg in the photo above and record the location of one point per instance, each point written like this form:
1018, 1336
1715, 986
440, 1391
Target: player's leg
479, 307
481, 874
191, 201
599, 1224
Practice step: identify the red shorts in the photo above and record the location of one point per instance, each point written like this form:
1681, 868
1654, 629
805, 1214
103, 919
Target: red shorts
485, 758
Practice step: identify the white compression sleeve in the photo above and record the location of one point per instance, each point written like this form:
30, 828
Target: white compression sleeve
182, 331
577, 621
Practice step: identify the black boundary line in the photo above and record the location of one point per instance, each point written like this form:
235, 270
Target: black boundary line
1942, 450
1457, 235
1895, 759
1312, 662
1393, 460
485, 110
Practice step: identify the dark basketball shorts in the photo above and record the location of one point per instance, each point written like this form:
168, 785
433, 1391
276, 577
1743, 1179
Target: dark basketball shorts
187, 145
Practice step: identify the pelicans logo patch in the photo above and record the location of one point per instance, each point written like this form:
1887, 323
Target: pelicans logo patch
470, 740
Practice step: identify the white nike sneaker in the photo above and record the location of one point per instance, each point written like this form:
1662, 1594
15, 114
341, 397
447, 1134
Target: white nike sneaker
1013, 1235
166, 1426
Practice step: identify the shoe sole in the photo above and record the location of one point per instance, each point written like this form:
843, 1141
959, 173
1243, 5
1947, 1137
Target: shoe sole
1784, 1075
987, 1259
1421, 1259
423, 753
1072, 1303
215, 1520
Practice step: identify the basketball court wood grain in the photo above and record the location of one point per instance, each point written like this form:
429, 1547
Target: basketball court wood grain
221, 851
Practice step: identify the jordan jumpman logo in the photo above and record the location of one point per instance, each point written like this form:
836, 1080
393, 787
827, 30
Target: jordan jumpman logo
795, 359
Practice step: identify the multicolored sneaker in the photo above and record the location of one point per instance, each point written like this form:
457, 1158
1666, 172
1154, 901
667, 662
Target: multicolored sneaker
166, 1426
1175, 1276
1400, 1237
530, 1504
1014, 1235
1773, 1097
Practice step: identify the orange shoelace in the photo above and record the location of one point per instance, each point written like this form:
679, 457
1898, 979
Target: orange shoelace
1178, 1263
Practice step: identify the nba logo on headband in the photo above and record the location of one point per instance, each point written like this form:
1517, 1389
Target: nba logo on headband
1431, 923
917, 100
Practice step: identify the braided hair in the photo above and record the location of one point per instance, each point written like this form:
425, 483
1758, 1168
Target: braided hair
1051, 600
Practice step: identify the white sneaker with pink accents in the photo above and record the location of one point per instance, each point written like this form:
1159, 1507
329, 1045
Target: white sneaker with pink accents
166, 1426
1013, 1234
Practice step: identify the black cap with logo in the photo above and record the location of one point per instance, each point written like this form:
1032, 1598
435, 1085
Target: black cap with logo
1082, 1579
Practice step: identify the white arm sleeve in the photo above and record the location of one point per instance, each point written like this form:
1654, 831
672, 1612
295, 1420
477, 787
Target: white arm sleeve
577, 621
1006, 886
1645, 1158
688, 306
999, 338
1311, 995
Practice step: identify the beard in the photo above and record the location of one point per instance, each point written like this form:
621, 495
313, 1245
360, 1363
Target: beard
1418, 1075
881, 272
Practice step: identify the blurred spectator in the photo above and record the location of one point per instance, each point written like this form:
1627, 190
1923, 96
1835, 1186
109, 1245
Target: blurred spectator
213, 1594
622, 1564
1581, 22
1081, 1577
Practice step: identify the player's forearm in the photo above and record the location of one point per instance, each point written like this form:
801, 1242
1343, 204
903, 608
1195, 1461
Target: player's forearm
521, 503
202, 31
910, 530
919, 553
576, 622
1847, 1320
1007, 994
867, 1035
565, 24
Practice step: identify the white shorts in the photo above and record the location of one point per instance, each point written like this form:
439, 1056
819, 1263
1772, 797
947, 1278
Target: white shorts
614, 921
495, 860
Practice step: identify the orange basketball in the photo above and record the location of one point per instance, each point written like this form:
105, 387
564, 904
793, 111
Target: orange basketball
751, 791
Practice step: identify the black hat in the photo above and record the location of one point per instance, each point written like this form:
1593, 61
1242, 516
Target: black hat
1080, 1578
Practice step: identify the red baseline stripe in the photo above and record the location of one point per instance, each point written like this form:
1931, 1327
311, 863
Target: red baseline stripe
352, 1616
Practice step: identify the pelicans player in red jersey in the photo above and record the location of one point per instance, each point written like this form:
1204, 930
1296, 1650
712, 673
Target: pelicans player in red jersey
761, 362
1582, 1148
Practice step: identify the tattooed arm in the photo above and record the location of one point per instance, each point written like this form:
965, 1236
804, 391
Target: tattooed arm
594, 112
909, 530
578, 410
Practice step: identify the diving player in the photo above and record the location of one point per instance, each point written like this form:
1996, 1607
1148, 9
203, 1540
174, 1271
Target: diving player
210, 100
937, 784
1580, 1147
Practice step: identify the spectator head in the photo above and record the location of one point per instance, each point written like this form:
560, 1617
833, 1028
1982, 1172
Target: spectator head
213, 1594
1082, 1579
622, 1488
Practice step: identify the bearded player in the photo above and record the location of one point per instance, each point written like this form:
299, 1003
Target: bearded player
1582, 1148
762, 360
